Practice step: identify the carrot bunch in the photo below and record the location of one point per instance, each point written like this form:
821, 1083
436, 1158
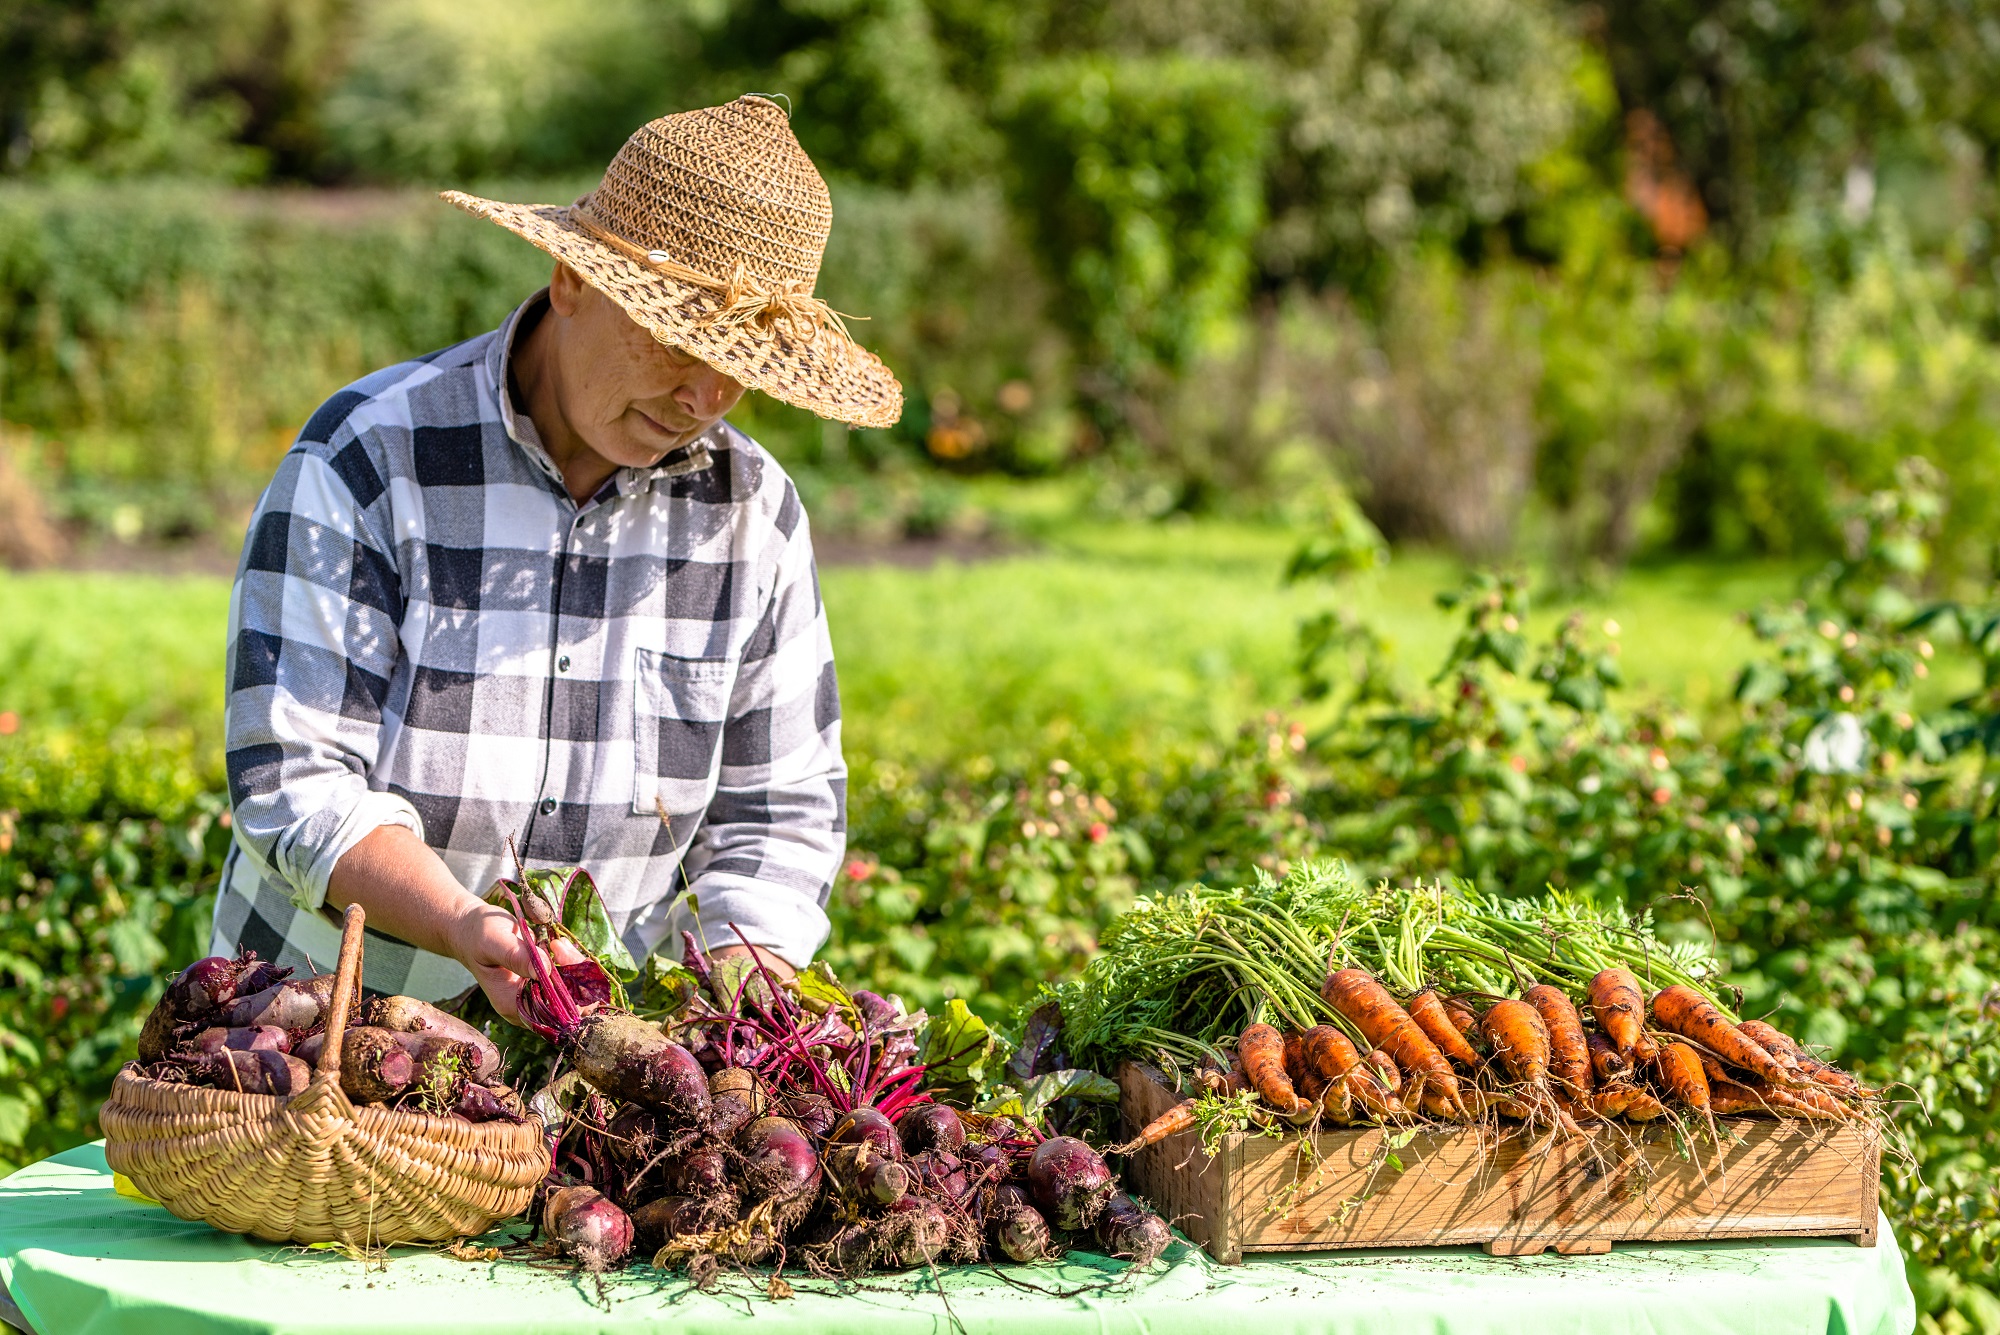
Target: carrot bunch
1536, 1058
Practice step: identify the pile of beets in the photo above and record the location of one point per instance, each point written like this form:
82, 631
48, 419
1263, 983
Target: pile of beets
246, 1025
759, 1125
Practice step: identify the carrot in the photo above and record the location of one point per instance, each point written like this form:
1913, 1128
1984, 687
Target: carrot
1368, 1005
1428, 1010
1263, 1052
1679, 1069
1751, 1095
1691, 1015
1628, 1101
1172, 1122
1224, 1083
1386, 1071
1569, 1054
1520, 1040
1795, 1058
1481, 1102
1620, 1008
1333, 1056
1607, 1063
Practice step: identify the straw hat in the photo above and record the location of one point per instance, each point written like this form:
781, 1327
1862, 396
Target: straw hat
708, 229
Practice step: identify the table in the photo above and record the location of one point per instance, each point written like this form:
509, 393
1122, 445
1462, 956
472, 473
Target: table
82, 1260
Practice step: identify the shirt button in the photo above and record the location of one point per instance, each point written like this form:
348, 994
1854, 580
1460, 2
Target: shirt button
562, 664
548, 806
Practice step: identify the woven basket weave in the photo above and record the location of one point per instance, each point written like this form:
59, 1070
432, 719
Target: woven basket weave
313, 1167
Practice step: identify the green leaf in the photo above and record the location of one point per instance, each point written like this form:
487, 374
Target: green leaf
821, 990
1044, 1090
665, 987
958, 1047
16, 1116
588, 923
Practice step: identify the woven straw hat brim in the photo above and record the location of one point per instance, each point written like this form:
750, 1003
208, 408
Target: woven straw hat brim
830, 375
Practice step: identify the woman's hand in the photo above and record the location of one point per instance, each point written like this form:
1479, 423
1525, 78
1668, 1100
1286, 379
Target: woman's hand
779, 969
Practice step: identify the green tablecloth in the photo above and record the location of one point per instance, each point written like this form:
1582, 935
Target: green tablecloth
82, 1260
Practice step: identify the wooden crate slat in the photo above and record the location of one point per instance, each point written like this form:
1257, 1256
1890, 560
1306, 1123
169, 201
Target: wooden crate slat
1471, 1185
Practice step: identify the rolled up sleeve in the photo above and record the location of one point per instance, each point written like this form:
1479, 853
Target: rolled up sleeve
763, 861
314, 643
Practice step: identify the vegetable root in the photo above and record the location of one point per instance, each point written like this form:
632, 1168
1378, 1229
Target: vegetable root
1619, 1007
1369, 1007
1693, 1016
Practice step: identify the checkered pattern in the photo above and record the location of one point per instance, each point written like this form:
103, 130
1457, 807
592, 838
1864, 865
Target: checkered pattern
428, 632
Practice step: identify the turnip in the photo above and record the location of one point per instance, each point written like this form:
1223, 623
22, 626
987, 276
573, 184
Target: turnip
258, 1071
779, 1166
374, 1067
267, 1038
630, 1060
866, 1126
931, 1126
1069, 1182
298, 1004
1124, 1230
583, 1223
407, 1015
1016, 1227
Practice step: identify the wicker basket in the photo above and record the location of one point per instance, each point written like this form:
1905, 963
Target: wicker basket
313, 1167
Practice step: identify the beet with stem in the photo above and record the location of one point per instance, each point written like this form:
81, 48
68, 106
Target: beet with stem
632, 1061
867, 1126
931, 1126
1128, 1232
1016, 1227
779, 1165
197, 993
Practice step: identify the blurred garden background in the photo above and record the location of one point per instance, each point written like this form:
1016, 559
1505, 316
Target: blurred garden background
1659, 338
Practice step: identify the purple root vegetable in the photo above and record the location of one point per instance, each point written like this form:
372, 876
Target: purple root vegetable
883, 1182
259, 1071
1016, 1227
477, 1103
298, 1004
194, 997
1069, 1183
814, 1113
374, 1067
669, 1217
407, 1015
257, 975
866, 1126
779, 1165
584, 1224
912, 1232
264, 1038
1125, 1231
701, 1172
931, 1126
851, 1252
941, 1174
629, 1060
735, 1099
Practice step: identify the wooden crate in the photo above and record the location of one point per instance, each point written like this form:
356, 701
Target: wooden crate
1475, 1185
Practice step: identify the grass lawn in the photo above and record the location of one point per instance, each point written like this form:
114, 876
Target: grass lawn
1102, 633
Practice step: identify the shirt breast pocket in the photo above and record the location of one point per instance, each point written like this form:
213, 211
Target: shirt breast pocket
680, 704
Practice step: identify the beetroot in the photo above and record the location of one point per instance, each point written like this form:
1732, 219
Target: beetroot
883, 1181
589, 1227
407, 1015
931, 1126
1016, 1227
298, 1004
477, 1103
374, 1067
779, 1166
865, 1175
736, 1098
866, 1126
658, 1221
632, 1061
941, 1174
258, 1071
701, 1172
911, 1232
267, 1038
814, 1113
1124, 1230
1069, 1182
194, 996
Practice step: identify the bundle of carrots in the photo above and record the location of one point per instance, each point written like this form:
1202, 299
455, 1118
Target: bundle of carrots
1531, 1010
1533, 1059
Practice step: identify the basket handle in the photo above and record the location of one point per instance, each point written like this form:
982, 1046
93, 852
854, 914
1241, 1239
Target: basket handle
346, 982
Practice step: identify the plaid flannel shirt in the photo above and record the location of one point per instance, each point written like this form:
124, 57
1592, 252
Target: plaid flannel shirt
427, 631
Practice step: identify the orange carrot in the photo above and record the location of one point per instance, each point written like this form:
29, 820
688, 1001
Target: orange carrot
1370, 1008
1385, 1070
1620, 1008
1627, 1101
1520, 1040
1607, 1063
1428, 1010
1481, 1102
1227, 1082
1569, 1054
1304, 1079
1263, 1051
1679, 1069
1172, 1122
1333, 1056
1466, 1021
1749, 1094
1691, 1015
1795, 1058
